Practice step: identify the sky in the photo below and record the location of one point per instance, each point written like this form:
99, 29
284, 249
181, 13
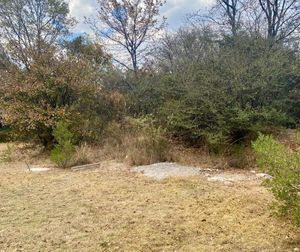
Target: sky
174, 10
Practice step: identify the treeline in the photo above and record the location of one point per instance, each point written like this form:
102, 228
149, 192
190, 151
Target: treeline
223, 77
222, 91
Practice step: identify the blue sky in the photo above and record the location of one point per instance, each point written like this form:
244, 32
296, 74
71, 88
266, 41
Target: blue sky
174, 11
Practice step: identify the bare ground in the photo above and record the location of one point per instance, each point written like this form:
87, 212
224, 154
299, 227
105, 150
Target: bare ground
112, 209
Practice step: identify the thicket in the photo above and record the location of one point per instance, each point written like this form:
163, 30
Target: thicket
230, 90
202, 85
225, 93
56, 88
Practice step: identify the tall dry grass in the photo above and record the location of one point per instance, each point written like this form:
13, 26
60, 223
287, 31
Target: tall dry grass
138, 142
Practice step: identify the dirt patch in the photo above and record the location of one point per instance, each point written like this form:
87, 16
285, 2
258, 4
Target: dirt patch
161, 171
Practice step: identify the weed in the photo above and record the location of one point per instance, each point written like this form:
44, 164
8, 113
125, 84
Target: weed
284, 166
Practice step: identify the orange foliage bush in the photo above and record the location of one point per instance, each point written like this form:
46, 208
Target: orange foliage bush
56, 87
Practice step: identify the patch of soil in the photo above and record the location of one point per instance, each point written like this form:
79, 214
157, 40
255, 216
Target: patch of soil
162, 171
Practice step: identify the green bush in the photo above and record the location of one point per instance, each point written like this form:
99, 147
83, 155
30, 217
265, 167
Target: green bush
284, 166
229, 92
63, 151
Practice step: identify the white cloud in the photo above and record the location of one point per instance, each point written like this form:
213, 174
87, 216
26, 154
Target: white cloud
81, 9
174, 11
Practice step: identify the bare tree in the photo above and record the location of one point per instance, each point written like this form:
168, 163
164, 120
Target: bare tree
253, 18
282, 16
129, 24
29, 24
226, 14
232, 11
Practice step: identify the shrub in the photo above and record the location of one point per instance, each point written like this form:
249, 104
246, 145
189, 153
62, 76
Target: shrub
146, 143
64, 149
58, 87
284, 166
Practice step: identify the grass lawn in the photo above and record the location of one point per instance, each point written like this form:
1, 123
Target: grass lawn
114, 210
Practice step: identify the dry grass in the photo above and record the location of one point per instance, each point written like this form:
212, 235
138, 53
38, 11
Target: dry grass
114, 210
133, 151
199, 157
289, 139
23, 152
137, 142
84, 154
111, 209
233, 158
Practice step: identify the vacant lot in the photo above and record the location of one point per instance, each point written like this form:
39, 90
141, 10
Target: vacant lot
115, 210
